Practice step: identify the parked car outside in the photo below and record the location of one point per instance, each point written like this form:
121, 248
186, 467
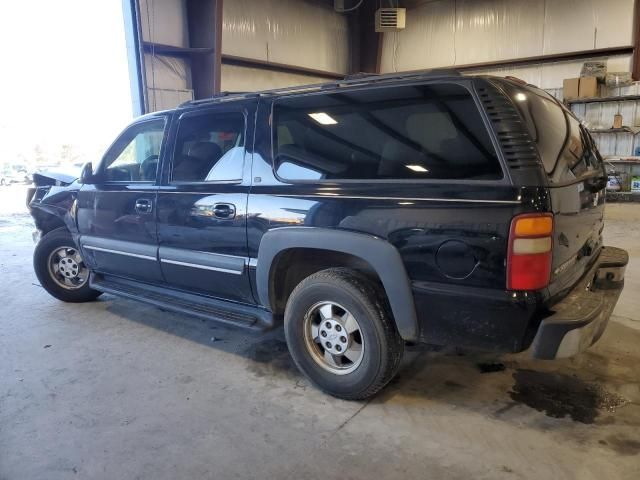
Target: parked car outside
365, 215
9, 176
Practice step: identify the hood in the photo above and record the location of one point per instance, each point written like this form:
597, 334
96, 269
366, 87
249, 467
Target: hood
52, 178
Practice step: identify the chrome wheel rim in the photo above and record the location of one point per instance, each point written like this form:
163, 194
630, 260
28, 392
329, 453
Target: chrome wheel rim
334, 338
67, 268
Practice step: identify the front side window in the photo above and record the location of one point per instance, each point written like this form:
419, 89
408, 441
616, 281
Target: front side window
209, 147
134, 157
389, 133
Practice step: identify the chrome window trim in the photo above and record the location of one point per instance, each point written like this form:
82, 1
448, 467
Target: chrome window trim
401, 199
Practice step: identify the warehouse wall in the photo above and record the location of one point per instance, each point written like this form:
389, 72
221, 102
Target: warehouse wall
457, 32
294, 32
303, 33
167, 78
243, 79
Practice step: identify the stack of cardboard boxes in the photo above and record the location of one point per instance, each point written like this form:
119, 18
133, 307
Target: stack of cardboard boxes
581, 87
586, 86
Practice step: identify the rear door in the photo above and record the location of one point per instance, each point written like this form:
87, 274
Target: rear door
116, 216
202, 203
576, 179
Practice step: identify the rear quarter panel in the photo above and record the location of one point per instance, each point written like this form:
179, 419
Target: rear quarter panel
452, 238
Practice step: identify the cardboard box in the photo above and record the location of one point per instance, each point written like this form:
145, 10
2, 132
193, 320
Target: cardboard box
617, 121
588, 87
570, 88
583, 87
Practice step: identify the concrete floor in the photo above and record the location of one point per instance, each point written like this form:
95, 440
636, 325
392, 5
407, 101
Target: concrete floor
116, 389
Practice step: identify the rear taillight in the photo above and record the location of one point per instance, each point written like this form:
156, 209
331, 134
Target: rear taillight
529, 256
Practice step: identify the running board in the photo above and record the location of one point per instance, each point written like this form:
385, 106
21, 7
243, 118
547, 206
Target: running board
229, 313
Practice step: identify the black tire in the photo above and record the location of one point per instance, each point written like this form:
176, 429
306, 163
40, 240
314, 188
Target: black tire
383, 346
52, 241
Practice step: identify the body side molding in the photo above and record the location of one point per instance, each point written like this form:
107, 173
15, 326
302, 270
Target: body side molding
203, 260
383, 257
121, 247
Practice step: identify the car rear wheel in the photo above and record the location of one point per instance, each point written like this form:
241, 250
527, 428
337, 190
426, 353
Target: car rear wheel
61, 269
340, 334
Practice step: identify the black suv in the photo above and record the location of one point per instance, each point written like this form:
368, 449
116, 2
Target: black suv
366, 214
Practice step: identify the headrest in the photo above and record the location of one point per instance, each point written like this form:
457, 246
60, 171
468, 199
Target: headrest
204, 150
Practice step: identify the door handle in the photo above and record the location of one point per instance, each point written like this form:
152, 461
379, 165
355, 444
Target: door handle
224, 210
144, 205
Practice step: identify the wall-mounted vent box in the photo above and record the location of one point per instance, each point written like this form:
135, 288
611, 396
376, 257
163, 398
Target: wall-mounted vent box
390, 19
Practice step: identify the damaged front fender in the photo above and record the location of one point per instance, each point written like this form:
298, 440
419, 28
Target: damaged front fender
52, 202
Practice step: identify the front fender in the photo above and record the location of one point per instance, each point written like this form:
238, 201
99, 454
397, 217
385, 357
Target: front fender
54, 207
383, 257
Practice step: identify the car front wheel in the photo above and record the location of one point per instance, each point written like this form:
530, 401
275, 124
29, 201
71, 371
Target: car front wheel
61, 269
340, 334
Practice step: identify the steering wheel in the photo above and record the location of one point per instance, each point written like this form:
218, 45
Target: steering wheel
149, 167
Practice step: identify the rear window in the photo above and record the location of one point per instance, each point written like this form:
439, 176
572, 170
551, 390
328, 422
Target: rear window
565, 146
404, 133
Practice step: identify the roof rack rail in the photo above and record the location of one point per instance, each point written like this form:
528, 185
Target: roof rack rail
431, 72
213, 97
349, 80
360, 75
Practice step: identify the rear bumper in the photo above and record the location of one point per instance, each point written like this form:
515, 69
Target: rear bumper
579, 320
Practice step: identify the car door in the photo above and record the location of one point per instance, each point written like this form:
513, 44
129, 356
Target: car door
116, 215
202, 202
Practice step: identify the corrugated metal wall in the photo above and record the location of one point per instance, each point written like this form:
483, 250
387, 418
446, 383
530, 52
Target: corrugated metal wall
167, 78
457, 32
293, 32
243, 79
309, 34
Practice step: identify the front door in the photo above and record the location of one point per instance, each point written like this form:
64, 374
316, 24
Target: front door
116, 216
202, 203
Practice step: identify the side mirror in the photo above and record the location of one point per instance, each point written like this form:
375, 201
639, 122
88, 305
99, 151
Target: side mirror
86, 176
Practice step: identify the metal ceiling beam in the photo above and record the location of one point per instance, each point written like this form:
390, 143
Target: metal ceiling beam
226, 59
538, 59
279, 67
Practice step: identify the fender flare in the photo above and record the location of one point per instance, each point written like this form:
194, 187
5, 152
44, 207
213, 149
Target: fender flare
383, 257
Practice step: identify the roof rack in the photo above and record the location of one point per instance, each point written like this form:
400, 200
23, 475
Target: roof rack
349, 80
360, 75
214, 97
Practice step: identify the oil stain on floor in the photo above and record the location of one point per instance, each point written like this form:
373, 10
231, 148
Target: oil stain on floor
270, 357
559, 395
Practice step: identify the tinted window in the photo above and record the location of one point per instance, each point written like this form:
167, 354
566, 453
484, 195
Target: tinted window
134, 156
416, 132
209, 147
564, 145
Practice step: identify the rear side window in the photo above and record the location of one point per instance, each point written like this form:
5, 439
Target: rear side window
565, 147
403, 133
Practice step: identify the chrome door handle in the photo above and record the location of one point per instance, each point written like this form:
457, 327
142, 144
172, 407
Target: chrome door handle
224, 210
144, 206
